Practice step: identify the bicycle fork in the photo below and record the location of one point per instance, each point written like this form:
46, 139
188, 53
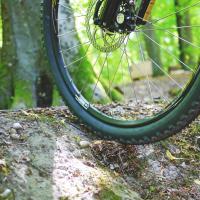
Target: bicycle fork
111, 7
145, 11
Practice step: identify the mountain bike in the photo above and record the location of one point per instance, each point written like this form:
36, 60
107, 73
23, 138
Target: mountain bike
113, 59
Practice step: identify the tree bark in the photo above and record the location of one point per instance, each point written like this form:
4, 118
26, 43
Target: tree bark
30, 66
153, 50
44, 90
31, 81
7, 59
183, 19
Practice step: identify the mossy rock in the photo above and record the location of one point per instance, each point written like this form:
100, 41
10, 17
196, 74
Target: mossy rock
116, 191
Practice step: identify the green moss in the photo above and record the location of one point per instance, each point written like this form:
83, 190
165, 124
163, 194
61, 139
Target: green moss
108, 194
114, 94
195, 130
23, 95
64, 198
57, 99
1, 39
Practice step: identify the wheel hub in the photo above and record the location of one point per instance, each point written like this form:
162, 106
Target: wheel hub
108, 22
115, 15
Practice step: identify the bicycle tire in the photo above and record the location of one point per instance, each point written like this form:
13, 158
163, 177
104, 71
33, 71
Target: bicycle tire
183, 112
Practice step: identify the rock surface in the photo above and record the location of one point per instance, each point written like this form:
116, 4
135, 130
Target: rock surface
43, 163
56, 158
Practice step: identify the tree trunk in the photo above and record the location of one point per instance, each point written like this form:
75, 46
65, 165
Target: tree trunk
7, 59
153, 50
44, 89
30, 66
44, 80
183, 19
32, 82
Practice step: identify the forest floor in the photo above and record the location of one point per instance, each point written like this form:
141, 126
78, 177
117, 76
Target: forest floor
47, 154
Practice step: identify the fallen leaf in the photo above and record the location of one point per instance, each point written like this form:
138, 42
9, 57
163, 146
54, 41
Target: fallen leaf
170, 156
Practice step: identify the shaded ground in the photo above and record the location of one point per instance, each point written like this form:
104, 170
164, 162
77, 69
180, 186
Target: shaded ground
147, 97
48, 154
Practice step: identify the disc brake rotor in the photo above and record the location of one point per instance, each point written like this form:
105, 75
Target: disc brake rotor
101, 39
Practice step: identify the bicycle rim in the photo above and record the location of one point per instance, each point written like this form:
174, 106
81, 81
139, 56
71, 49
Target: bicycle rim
116, 96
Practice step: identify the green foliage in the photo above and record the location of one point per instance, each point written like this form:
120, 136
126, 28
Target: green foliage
107, 194
0, 32
0, 29
167, 36
23, 96
116, 71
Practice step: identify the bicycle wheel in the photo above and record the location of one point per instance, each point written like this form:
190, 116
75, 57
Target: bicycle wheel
115, 76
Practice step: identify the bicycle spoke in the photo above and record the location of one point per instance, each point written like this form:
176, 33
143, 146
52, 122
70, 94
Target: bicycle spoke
168, 28
143, 59
95, 63
129, 70
174, 13
110, 58
99, 76
151, 83
160, 92
169, 52
157, 65
119, 63
68, 33
69, 9
184, 40
80, 59
109, 87
78, 45
71, 17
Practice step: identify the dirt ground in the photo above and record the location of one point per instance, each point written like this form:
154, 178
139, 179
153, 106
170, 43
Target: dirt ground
47, 154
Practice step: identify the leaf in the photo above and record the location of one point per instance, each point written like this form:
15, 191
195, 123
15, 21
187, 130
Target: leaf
170, 156
152, 188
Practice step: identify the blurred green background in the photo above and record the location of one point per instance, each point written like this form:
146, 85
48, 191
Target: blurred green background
25, 77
